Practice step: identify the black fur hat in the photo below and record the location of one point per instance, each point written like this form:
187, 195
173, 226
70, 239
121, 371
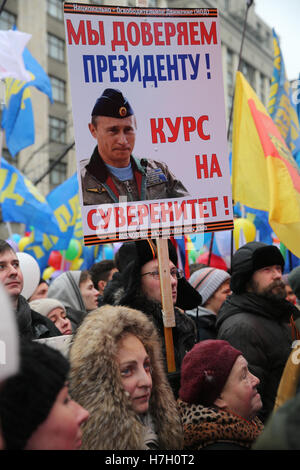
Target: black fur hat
248, 259
134, 255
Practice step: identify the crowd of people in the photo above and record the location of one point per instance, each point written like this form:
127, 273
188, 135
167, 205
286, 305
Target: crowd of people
112, 390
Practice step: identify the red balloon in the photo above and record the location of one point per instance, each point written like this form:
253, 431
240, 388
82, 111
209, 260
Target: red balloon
55, 259
215, 261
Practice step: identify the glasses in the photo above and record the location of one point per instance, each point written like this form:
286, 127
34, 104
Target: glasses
174, 272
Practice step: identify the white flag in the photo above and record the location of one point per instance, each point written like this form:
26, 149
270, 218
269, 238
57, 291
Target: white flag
12, 44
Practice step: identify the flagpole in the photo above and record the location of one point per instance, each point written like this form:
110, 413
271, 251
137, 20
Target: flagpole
248, 5
61, 156
210, 248
290, 260
2, 6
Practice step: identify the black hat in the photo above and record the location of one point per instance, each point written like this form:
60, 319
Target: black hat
248, 259
27, 398
113, 104
135, 254
294, 281
147, 251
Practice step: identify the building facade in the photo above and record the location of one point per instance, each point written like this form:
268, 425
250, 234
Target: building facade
53, 122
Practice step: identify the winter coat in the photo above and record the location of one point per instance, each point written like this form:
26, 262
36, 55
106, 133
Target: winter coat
33, 325
205, 321
65, 288
152, 180
259, 327
209, 428
282, 429
95, 383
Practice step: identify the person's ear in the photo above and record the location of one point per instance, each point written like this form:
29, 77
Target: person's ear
92, 129
101, 285
220, 402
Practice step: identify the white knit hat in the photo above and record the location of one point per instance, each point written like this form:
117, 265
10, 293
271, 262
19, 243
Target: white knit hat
44, 306
207, 280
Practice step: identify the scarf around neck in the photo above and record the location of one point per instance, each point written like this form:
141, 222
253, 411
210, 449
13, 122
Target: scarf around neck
150, 436
204, 426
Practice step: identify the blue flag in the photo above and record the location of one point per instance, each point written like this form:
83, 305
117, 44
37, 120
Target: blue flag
281, 107
17, 117
21, 202
64, 202
90, 254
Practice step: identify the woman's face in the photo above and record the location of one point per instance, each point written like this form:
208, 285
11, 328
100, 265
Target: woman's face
61, 321
61, 430
135, 369
240, 394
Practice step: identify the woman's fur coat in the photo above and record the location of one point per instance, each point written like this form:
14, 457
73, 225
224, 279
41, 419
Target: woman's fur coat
95, 383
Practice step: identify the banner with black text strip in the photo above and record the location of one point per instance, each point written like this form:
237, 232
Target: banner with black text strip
167, 64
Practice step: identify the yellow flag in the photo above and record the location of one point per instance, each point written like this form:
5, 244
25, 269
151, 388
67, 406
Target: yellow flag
265, 176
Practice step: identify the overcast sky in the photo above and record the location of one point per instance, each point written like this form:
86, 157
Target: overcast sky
284, 17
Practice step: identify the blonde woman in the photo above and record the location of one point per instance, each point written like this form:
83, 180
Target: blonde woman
117, 374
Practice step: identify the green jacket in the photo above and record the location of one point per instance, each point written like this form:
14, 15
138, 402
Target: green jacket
282, 430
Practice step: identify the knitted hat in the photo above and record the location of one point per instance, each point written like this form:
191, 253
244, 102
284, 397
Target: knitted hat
207, 281
205, 370
112, 104
294, 281
132, 259
249, 258
27, 398
45, 306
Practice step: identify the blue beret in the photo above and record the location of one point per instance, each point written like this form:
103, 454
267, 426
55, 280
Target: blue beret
113, 104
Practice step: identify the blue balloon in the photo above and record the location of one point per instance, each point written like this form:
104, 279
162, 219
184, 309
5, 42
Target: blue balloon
16, 237
108, 252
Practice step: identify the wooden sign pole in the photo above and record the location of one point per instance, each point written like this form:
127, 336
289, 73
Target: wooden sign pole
166, 300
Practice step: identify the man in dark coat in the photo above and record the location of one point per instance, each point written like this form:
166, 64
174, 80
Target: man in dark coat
137, 285
31, 324
256, 318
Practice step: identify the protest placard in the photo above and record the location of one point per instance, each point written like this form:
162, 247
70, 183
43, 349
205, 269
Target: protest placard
167, 66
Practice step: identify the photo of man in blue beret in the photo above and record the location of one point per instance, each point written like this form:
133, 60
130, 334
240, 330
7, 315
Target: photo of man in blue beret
112, 171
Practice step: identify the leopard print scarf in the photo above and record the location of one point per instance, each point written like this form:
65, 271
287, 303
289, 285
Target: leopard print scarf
207, 425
